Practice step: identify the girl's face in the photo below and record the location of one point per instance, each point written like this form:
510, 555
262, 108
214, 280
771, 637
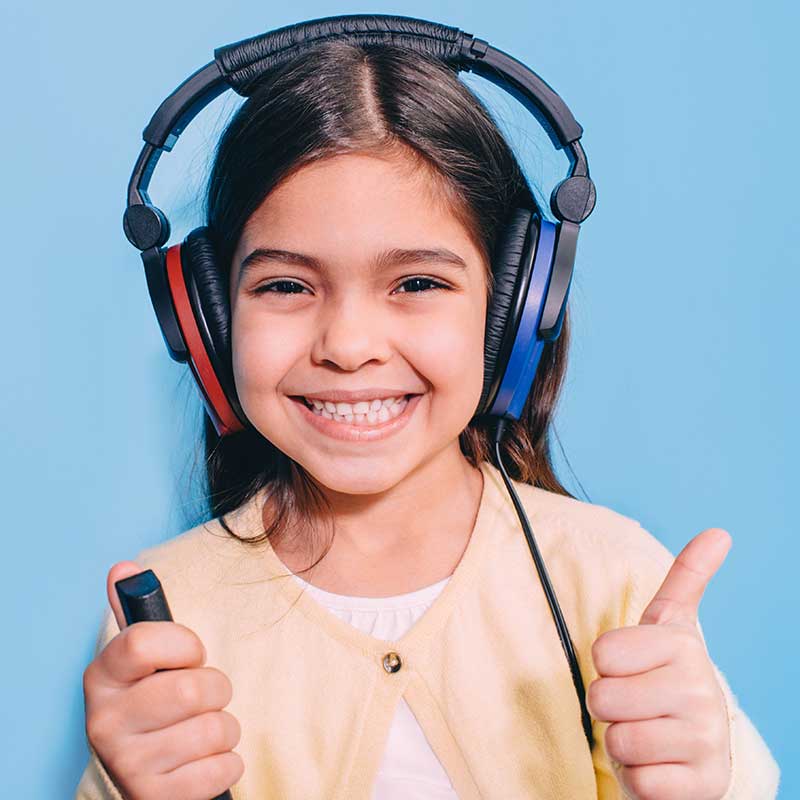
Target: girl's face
352, 298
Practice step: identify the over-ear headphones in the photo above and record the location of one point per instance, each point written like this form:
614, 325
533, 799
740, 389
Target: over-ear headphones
532, 267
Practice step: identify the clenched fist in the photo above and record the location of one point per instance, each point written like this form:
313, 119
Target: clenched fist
161, 733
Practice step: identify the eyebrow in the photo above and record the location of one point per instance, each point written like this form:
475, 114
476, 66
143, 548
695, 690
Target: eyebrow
397, 255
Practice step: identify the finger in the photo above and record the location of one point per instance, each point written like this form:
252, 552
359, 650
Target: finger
654, 741
141, 649
652, 694
119, 571
168, 697
214, 774
678, 597
641, 648
188, 740
668, 781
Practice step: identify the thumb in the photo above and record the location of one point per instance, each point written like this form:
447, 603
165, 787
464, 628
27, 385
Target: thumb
678, 597
120, 570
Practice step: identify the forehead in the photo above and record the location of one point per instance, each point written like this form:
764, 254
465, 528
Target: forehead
352, 204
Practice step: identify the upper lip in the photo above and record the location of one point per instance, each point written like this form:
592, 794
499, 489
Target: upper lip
342, 396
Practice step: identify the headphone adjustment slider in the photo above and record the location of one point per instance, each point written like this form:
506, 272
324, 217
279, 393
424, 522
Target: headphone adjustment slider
473, 48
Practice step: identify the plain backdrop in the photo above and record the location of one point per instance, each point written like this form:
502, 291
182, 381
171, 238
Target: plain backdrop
679, 408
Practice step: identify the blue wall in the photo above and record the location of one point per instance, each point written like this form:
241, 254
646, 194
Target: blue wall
678, 403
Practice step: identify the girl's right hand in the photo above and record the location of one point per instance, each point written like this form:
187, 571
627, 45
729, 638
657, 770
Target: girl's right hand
160, 734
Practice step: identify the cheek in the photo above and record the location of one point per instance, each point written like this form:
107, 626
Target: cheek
450, 356
262, 354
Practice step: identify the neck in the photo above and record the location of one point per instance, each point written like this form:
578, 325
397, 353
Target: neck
409, 536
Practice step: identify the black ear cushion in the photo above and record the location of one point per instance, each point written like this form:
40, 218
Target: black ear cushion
505, 266
199, 261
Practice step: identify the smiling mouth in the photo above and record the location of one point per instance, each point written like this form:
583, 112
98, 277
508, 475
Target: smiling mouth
377, 413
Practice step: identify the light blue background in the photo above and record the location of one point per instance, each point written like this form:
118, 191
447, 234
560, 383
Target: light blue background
679, 407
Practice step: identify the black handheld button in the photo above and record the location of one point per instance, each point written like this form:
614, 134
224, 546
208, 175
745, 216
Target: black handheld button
143, 600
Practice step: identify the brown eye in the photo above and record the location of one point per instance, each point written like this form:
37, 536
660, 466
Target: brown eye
421, 281
268, 287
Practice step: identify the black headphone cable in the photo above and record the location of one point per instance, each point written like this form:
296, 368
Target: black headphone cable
563, 633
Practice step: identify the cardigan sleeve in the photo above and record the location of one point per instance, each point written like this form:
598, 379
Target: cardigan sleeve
96, 783
755, 774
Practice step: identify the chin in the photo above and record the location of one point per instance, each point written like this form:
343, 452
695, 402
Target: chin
371, 476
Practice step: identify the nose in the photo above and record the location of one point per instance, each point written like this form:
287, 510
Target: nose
350, 333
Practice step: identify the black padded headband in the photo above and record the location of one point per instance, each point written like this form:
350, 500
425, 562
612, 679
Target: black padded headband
240, 65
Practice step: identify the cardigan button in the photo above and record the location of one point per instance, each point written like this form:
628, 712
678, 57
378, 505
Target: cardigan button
392, 662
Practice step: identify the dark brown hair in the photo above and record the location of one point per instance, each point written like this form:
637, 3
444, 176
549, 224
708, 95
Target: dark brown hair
337, 98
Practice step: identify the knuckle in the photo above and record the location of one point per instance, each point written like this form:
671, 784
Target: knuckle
220, 769
689, 646
98, 728
136, 644
702, 696
232, 729
124, 764
94, 731
598, 697
640, 781
236, 728
710, 737
221, 684
185, 690
214, 730
705, 741
663, 609
690, 638
599, 653
198, 648
89, 678
715, 694
617, 743
234, 768
237, 767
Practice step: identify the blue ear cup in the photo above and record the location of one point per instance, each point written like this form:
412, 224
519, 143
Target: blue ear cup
513, 346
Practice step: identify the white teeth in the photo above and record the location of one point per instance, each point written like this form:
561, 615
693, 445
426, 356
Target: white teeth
362, 407
362, 413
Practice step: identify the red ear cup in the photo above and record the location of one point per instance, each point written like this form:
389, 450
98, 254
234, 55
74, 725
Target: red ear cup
205, 362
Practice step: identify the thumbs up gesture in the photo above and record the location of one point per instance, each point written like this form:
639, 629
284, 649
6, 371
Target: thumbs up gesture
658, 688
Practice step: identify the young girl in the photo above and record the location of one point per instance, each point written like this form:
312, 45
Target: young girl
363, 602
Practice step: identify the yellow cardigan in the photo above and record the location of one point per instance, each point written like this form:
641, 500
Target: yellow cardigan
483, 669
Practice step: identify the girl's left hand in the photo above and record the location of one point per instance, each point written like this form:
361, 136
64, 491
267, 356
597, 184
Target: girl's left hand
658, 688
